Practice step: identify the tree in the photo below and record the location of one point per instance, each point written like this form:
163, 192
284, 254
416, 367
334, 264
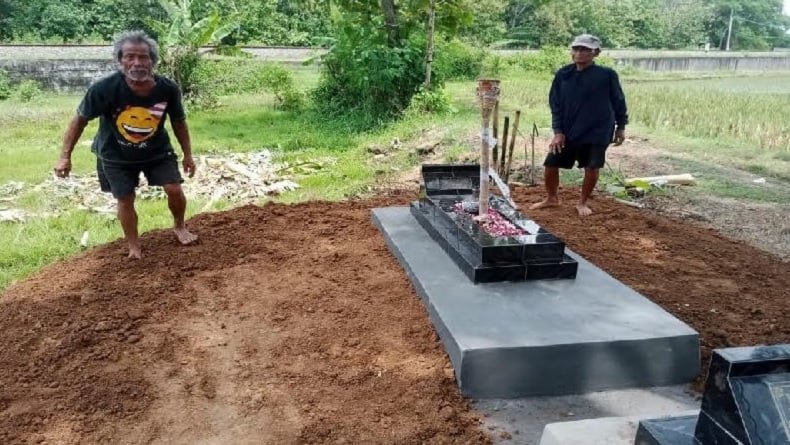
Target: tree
757, 24
181, 37
377, 60
488, 22
107, 18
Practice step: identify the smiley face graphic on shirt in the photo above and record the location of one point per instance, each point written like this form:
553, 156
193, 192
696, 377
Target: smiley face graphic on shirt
138, 124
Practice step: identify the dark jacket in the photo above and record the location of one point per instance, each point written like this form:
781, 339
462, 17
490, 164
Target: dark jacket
586, 105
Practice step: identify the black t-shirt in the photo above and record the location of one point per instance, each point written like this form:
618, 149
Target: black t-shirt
132, 127
586, 105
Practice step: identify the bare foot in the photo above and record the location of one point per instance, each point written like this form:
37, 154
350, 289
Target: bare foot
135, 251
583, 210
546, 203
184, 236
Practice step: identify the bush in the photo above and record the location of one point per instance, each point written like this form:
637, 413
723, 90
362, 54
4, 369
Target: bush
431, 101
546, 61
5, 85
218, 77
493, 65
364, 76
458, 60
26, 90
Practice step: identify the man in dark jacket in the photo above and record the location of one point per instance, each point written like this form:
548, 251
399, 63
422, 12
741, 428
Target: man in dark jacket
133, 105
587, 106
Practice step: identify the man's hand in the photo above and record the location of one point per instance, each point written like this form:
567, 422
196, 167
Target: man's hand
189, 165
63, 167
619, 136
557, 144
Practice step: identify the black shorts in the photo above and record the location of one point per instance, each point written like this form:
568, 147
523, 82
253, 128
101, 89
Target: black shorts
587, 155
122, 179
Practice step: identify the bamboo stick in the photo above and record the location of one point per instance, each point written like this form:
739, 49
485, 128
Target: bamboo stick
499, 164
495, 132
512, 144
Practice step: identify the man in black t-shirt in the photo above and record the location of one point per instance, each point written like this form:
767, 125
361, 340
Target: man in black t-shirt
132, 106
587, 107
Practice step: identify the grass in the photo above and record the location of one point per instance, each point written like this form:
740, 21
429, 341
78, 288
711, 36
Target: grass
725, 182
705, 129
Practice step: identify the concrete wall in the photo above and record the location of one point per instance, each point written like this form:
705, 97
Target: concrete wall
707, 63
58, 75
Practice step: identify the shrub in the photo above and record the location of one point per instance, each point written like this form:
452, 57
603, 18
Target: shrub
546, 61
5, 85
217, 77
431, 101
364, 76
26, 90
493, 65
458, 60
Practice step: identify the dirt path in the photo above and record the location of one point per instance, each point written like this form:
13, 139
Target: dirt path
295, 325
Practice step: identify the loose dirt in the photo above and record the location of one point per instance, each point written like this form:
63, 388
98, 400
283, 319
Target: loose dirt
295, 325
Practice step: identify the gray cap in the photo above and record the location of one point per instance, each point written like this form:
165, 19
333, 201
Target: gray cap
587, 41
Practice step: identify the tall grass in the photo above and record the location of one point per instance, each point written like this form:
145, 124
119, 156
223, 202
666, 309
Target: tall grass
759, 120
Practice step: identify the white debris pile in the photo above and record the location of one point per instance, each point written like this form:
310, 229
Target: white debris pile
8, 194
76, 192
239, 178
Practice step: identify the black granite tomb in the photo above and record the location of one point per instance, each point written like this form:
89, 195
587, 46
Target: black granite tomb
746, 402
534, 254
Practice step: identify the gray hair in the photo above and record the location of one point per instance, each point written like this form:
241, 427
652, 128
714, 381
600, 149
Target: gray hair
135, 37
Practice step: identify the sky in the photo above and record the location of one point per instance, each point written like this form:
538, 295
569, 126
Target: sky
787, 7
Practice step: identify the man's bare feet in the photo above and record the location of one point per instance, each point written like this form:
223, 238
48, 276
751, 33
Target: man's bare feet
583, 210
546, 203
184, 236
135, 251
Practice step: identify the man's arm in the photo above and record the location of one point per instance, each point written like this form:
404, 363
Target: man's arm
73, 132
555, 103
181, 131
617, 98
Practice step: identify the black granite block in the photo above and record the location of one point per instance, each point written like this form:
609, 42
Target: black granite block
495, 274
746, 401
485, 257
566, 269
541, 248
764, 403
453, 169
738, 380
450, 179
466, 257
707, 431
670, 431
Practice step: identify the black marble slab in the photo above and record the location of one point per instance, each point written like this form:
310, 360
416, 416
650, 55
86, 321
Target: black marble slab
501, 260
731, 394
534, 254
450, 179
672, 430
746, 400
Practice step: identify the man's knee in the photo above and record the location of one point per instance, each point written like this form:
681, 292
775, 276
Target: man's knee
126, 201
591, 172
173, 189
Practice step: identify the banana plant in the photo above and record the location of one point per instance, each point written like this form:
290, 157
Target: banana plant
182, 36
